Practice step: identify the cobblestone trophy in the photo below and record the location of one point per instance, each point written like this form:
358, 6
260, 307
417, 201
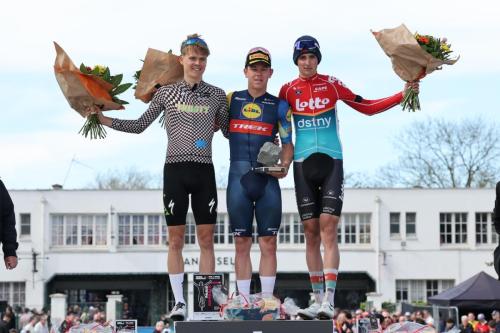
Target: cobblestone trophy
269, 156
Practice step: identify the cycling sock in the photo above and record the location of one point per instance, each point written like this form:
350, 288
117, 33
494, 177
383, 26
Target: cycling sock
176, 281
330, 283
317, 285
243, 287
267, 285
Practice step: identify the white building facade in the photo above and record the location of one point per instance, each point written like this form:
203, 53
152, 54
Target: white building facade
396, 245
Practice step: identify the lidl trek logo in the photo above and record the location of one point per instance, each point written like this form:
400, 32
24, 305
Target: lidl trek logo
251, 111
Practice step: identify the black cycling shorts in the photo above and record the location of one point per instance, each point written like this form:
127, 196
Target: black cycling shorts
185, 178
319, 186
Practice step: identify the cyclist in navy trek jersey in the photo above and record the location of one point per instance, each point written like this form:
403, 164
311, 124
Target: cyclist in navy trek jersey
192, 109
318, 168
255, 118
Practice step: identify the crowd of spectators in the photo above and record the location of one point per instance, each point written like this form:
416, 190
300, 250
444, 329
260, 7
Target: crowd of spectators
32, 321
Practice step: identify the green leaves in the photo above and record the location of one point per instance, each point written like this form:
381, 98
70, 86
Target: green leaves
120, 89
93, 128
116, 80
410, 101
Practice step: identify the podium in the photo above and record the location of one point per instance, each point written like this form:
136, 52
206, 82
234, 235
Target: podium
251, 326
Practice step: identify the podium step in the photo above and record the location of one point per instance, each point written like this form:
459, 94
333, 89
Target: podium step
251, 326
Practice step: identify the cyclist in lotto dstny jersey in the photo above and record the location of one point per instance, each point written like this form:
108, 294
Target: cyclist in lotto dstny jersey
255, 119
318, 170
192, 109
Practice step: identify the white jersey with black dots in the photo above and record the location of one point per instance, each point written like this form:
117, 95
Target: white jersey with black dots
192, 115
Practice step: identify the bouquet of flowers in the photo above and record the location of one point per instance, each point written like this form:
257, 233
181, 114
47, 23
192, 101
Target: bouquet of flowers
159, 68
413, 56
85, 87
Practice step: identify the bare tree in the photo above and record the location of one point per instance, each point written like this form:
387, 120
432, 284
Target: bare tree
444, 154
130, 179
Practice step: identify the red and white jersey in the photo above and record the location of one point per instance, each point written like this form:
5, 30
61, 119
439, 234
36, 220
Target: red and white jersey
313, 102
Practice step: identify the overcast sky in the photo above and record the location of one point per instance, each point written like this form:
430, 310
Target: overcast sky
38, 129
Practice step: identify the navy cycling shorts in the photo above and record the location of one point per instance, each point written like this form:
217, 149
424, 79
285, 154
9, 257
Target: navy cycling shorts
319, 186
251, 194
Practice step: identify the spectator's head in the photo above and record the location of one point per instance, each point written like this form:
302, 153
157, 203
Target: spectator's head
420, 321
70, 315
407, 315
159, 326
43, 319
481, 318
12, 330
402, 319
449, 323
6, 317
471, 316
465, 320
496, 315
418, 314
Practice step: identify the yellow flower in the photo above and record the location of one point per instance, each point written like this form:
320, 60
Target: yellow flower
100, 68
445, 47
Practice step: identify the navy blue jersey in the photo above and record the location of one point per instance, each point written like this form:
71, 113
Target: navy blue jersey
254, 121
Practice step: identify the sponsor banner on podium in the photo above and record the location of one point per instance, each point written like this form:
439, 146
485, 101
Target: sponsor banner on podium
126, 325
204, 305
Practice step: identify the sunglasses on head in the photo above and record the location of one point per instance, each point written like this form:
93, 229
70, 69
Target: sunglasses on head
196, 41
306, 45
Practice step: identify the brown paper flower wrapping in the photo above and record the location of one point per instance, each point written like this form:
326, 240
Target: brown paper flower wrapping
159, 68
409, 60
81, 90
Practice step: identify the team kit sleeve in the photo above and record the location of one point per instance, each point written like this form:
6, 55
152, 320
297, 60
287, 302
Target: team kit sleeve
137, 126
285, 122
222, 114
282, 94
366, 106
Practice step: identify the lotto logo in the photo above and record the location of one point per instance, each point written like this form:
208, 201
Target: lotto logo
311, 104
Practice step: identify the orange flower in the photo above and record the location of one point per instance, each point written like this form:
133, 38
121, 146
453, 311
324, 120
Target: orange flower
423, 40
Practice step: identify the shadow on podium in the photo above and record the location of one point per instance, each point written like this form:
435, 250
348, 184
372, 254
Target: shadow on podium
252, 326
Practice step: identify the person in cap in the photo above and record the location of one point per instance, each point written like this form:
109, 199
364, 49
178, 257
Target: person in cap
193, 109
318, 167
256, 117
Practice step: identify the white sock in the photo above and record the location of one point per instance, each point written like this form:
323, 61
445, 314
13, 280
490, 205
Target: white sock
176, 281
243, 287
267, 285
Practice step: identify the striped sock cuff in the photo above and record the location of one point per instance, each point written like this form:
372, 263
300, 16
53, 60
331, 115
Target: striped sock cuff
316, 280
331, 278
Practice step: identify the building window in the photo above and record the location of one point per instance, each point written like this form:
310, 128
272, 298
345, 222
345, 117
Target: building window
420, 290
255, 236
154, 230
354, 228
25, 224
219, 230
142, 230
432, 288
394, 224
349, 221
364, 228
78, 230
411, 224
13, 292
453, 228
485, 229
190, 235
298, 230
285, 229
